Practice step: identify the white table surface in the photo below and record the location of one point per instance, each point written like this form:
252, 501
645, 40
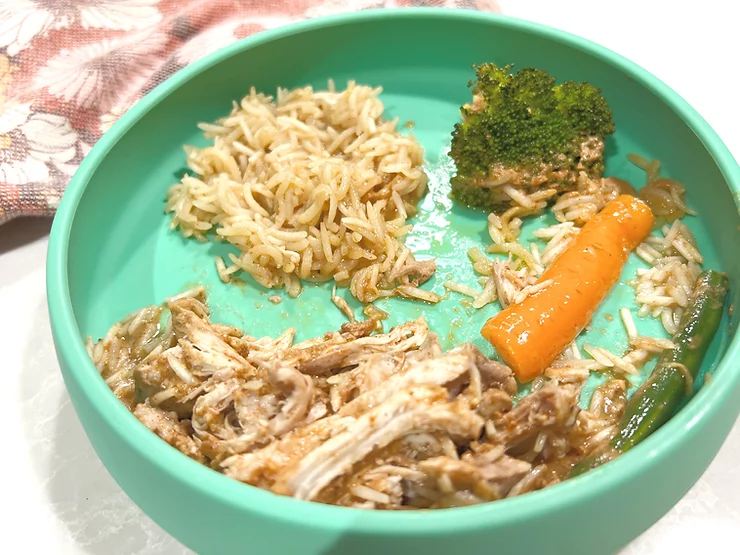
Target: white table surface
55, 495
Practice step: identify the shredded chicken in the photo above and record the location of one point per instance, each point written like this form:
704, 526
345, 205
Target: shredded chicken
486, 476
341, 350
547, 408
169, 428
357, 417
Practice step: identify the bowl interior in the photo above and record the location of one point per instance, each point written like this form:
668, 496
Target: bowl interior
123, 256
120, 256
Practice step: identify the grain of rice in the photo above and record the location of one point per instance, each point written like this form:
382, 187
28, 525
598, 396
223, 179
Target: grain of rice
117, 377
668, 321
599, 354
194, 293
629, 323
551, 231
557, 244
568, 374
531, 290
179, 368
159, 398
90, 347
522, 484
275, 299
602, 436
460, 288
540, 442
481, 263
637, 357
676, 196
341, 276
449, 448
372, 311
687, 250
671, 233
342, 305
610, 360
655, 300
652, 344
535, 250
565, 202
391, 469
572, 351
370, 494
488, 295
643, 253
519, 197
586, 363
624, 365
221, 268
538, 383
411, 292
444, 483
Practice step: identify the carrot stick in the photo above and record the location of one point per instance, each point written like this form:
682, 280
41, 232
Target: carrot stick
530, 335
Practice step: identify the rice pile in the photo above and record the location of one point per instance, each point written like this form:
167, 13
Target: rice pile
311, 185
588, 199
661, 291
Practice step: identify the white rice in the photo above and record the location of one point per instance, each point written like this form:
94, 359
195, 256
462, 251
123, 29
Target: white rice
462, 289
488, 295
652, 344
223, 273
586, 201
342, 305
479, 298
370, 494
629, 323
663, 290
572, 352
411, 292
372, 311
531, 290
314, 185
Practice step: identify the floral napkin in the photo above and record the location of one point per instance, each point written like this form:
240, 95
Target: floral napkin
70, 68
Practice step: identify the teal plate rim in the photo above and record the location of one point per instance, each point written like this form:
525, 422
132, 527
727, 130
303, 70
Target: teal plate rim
245, 498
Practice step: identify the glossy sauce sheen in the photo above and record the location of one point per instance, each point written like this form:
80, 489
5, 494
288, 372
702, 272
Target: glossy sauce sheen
530, 335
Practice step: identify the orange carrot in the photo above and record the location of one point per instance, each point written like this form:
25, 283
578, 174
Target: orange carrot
530, 335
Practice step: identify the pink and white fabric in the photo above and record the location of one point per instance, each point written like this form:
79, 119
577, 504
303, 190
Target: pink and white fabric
70, 68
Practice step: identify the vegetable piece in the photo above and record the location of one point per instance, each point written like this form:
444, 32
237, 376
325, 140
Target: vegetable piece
672, 379
531, 334
523, 130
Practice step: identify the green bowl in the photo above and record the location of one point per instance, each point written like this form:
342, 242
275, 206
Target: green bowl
111, 252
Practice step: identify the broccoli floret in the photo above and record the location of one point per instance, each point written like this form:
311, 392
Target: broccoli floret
525, 130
